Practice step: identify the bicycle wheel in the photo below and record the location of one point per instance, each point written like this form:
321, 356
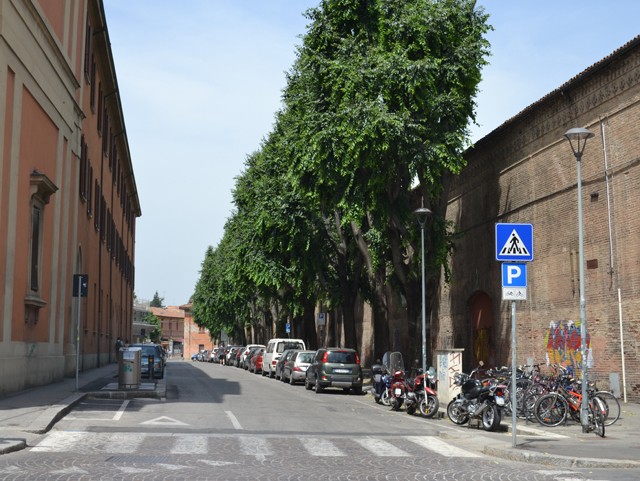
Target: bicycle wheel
597, 411
551, 409
612, 406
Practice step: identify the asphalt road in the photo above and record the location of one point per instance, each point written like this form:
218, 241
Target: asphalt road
220, 422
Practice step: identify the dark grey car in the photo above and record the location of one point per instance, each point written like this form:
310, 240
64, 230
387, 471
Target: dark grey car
335, 367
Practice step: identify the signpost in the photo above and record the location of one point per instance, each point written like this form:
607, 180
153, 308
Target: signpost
514, 246
79, 289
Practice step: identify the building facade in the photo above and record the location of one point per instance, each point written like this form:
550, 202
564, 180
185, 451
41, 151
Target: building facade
171, 328
196, 338
68, 198
525, 172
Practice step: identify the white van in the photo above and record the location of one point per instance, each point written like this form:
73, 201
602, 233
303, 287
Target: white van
274, 350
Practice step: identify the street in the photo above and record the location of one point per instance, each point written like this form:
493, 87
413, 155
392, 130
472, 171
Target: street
225, 423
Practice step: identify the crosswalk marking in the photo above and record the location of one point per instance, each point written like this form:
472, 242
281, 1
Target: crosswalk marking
380, 447
190, 444
320, 447
254, 446
438, 446
258, 446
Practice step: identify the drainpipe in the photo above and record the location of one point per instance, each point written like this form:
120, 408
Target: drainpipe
611, 270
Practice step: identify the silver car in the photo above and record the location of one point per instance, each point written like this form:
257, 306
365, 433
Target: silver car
296, 366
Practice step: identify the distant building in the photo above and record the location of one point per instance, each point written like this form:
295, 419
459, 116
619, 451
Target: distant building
196, 338
68, 197
171, 328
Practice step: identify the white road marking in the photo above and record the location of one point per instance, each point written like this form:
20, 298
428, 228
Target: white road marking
320, 447
253, 446
234, 420
190, 444
380, 447
216, 463
165, 420
440, 447
120, 412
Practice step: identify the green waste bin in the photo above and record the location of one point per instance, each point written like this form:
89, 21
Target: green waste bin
129, 361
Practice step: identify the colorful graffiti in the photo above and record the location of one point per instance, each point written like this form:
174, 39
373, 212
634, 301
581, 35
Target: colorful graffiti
563, 345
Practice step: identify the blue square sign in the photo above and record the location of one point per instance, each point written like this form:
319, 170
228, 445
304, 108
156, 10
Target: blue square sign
514, 242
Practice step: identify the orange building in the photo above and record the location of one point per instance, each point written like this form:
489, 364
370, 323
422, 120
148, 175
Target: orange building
196, 338
171, 328
68, 198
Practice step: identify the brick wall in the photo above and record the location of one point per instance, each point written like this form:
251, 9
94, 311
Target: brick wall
525, 172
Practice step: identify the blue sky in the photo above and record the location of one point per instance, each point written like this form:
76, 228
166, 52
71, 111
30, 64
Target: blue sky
201, 80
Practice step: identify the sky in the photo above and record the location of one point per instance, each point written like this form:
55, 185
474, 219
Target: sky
201, 80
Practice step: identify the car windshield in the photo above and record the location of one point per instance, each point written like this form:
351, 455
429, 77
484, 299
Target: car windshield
289, 345
305, 357
344, 357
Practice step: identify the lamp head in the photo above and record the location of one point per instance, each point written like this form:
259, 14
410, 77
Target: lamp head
578, 140
422, 213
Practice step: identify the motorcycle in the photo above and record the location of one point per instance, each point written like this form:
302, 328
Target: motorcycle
398, 390
477, 400
383, 375
419, 393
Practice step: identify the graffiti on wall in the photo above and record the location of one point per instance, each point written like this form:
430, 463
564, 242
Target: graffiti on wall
563, 345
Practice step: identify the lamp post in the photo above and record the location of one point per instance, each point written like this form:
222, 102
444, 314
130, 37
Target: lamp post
578, 139
422, 213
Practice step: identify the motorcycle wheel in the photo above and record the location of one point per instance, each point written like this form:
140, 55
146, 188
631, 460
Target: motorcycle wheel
411, 410
491, 418
455, 413
429, 406
386, 399
396, 403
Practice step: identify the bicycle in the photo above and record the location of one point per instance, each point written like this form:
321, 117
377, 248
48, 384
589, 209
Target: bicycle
552, 409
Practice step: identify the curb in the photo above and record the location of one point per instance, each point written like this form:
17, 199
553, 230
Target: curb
522, 455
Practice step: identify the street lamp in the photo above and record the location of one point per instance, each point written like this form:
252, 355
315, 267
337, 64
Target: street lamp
578, 139
422, 213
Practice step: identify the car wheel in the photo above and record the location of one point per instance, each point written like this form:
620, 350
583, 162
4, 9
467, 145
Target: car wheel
307, 384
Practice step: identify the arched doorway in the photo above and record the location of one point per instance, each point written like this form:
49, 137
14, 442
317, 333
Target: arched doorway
482, 326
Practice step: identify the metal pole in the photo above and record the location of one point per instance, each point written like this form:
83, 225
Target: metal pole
424, 313
514, 387
584, 420
78, 333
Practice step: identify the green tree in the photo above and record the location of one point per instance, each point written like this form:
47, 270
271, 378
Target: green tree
157, 301
381, 93
152, 319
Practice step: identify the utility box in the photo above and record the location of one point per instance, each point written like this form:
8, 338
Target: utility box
449, 364
129, 362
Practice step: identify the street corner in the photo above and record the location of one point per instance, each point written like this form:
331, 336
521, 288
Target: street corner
11, 444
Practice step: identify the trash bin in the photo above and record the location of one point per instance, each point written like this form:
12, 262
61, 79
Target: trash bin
129, 360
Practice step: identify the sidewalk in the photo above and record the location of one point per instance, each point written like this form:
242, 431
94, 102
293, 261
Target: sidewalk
27, 415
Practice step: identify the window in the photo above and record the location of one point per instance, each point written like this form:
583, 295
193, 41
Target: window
41, 189
82, 180
88, 54
36, 239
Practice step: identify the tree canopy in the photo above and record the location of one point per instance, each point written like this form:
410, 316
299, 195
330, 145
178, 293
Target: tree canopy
375, 118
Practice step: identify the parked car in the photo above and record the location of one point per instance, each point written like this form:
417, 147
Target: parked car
245, 352
334, 367
286, 355
252, 352
274, 350
213, 355
256, 364
230, 354
295, 368
150, 351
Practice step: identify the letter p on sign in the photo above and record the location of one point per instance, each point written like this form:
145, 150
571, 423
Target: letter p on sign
514, 274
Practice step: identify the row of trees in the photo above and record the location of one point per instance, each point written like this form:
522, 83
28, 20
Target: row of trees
374, 120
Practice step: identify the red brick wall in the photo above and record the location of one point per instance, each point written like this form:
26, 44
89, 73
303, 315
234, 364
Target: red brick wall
525, 172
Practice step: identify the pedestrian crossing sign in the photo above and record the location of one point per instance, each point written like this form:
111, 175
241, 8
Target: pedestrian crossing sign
514, 242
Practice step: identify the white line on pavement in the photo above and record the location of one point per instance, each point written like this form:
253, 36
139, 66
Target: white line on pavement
233, 419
